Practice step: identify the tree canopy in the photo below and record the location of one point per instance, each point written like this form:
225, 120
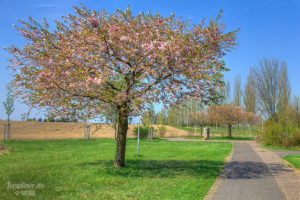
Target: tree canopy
113, 58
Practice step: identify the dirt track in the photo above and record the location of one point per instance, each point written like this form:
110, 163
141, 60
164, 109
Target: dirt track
61, 130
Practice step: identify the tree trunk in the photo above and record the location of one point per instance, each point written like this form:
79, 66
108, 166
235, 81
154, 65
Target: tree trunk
115, 127
151, 132
4, 136
201, 130
150, 136
121, 139
229, 130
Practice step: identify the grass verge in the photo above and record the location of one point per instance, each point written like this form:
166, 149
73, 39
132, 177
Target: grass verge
294, 160
81, 169
281, 148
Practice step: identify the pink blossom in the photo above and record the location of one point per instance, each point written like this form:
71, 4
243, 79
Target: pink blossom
94, 22
124, 38
98, 81
151, 47
162, 47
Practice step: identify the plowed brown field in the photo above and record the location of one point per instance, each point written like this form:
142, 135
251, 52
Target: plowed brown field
62, 130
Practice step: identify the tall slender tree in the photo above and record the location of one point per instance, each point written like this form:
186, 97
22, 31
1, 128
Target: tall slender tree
225, 98
295, 114
238, 92
270, 82
250, 96
284, 95
227, 93
9, 105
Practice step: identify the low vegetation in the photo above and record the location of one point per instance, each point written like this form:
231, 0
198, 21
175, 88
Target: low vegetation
222, 138
280, 135
144, 131
294, 160
162, 131
242, 131
81, 169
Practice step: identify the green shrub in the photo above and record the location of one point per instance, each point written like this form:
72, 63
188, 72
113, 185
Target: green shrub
162, 131
2, 147
280, 135
144, 131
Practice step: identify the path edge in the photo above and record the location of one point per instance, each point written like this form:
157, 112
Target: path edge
284, 184
287, 163
214, 187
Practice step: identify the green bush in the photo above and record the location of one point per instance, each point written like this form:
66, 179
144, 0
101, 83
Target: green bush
162, 131
280, 135
2, 147
144, 131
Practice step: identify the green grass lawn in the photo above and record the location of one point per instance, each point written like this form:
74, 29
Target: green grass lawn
80, 169
281, 148
222, 138
294, 160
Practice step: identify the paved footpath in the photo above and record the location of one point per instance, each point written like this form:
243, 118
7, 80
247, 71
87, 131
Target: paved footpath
246, 176
254, 173
283, 153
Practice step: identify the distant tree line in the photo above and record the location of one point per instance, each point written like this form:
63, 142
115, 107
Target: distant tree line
266, 92
179, 115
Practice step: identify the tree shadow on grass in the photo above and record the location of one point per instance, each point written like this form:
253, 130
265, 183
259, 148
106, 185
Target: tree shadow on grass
161, 168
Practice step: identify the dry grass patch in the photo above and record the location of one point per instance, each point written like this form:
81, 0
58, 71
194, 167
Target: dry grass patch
70, 130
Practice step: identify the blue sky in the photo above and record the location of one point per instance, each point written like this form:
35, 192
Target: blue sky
268, 28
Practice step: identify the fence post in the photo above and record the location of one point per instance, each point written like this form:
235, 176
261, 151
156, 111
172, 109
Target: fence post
206, 133
87, 129
4, 136
8, 131
84, 132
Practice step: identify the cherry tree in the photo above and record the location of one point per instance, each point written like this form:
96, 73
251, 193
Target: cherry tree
226, 114
229, 114
98, 61
198, 119
252, 120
